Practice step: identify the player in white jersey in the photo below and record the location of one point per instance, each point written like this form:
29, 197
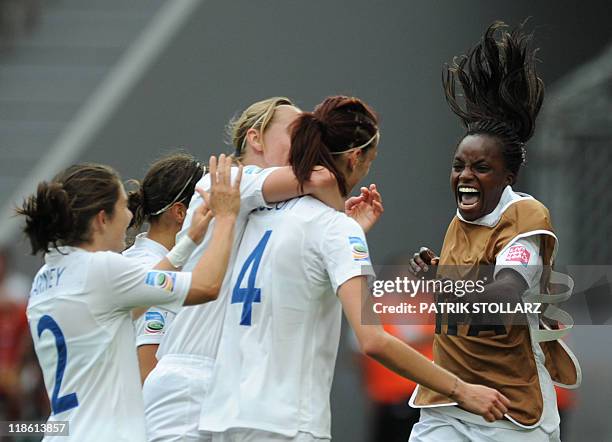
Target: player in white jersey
300, 263
175, 389
161, 201
80, 304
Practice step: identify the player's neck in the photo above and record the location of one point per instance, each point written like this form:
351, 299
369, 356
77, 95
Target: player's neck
252, 159
164, 236
96, 244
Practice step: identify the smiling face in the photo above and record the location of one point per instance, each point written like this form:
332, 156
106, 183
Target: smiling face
479, 176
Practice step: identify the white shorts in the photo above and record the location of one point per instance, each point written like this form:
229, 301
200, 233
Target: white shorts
173, 394
434, 426
251, 435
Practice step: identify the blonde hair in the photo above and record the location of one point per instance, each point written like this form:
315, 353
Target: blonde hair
257, 116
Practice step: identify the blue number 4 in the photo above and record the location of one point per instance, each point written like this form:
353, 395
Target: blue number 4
69, 401
250, 294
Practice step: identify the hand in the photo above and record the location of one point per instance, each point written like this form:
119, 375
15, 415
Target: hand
422, 261
366, 208
201, 220
323, 186
224, 197
485, 401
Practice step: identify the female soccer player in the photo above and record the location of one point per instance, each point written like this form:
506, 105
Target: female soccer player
80, 302
507, 231
300, 263
161, 200
174, 390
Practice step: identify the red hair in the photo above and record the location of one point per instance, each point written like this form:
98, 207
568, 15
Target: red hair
337, 124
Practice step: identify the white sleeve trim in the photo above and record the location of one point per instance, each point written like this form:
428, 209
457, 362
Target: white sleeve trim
339, 278
254, 198
148, 340
365, 271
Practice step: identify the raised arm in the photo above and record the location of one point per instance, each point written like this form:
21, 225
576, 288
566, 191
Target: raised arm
224, 202
407, 362
182, 250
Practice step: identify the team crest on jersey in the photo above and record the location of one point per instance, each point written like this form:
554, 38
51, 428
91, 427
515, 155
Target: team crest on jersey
161, 280
154, 323
518, 254
359, 248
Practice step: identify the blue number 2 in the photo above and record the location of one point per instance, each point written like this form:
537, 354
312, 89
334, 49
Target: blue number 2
250, 294
69, 401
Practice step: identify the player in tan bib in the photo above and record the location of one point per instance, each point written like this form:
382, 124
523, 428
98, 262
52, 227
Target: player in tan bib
506, 236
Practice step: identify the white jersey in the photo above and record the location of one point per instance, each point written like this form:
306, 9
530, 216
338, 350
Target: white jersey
79, 317
276, 359
152, 325
196, 330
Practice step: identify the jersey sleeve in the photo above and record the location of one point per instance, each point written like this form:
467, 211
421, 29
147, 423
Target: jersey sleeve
523, 256
134, 285
146, 259
344, 251
152, 326
251, 187
251, 192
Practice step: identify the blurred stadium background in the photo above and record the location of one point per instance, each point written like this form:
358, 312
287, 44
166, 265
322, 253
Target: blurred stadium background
123, 82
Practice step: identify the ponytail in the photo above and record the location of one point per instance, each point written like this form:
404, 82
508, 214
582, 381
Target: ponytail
48, 216
308, 150
338, 125
60, 211
136, 201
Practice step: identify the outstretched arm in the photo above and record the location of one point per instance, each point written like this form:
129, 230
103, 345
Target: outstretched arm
407, 362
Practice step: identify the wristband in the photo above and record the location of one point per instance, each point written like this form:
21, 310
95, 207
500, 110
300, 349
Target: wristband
181, 251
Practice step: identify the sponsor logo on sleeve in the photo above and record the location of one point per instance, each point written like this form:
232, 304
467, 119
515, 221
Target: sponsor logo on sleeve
518, 254
161, 280
359, 249
154, 323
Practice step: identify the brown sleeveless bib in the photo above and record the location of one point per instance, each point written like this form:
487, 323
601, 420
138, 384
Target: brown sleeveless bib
502, 361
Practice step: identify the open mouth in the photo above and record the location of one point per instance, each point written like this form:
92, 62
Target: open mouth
467, 197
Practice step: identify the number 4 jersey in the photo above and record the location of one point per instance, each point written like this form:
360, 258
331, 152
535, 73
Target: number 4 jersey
79, 316
280, 336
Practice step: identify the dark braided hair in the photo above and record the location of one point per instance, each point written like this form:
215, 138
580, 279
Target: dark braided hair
502, 93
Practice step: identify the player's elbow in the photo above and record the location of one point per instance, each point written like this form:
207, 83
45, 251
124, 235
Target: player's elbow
202, 293
374, 345
211, 291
